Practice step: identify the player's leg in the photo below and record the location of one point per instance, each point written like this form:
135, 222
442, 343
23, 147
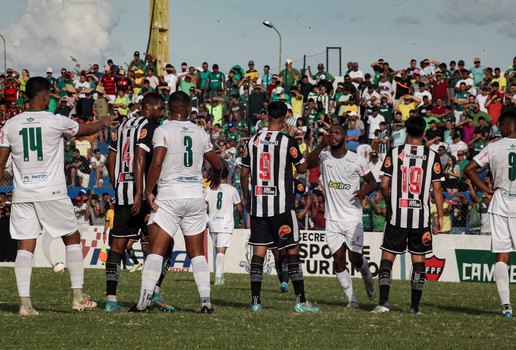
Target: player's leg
501, 272
419, 244
354, 234
116, 248
132, 255
280, 263
501, 245
219, 266
158, 299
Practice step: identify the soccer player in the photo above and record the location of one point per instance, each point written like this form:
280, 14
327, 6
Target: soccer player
40, 199
221, 220
500, 156
341, 172
123, 158
409, 172
267, 160
180, 148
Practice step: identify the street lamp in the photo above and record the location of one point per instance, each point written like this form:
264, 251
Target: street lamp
269, 24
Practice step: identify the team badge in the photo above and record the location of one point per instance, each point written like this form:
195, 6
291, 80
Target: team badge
437, 168
293, 152
402, 155
300, 187
434, 268
427, 238
143, 133
284, 230
114, 136
388, 162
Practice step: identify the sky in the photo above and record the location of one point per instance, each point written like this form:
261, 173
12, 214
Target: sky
47, 33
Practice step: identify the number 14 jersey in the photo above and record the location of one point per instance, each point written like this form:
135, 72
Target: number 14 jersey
36, 142
412, 170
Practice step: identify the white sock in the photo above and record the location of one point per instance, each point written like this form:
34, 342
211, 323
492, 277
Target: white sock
75, 264
344, 279
157, 289
364, 269
150, 275
201, 273
501, 272
219, 265
23, 272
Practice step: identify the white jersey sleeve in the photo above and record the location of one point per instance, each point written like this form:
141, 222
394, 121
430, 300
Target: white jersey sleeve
68, 127
363, 167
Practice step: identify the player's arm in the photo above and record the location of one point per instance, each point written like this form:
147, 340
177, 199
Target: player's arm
313, 158
4, 156
308, 205
92, 128
471, 173
368, 188
158, 158
439, 201
385, 185
244, 182
240, 211
216, 166
139, 168
111, 160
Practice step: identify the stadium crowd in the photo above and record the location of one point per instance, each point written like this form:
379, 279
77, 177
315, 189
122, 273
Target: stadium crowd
461, 106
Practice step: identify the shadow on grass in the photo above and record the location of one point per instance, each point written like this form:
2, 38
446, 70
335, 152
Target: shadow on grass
227, 303
459, 309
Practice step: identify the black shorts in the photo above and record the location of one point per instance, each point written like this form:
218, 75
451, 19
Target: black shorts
279, 231
130, 226
397, 239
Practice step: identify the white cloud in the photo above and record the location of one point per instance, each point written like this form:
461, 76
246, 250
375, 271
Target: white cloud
50, 31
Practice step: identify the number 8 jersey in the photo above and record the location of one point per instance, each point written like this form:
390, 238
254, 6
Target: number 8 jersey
412, 170
181, 174
36, 142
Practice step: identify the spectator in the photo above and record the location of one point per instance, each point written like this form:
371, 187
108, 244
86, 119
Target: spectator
452, 175
379, 211
462, 162
78, 170
457, 145
95, 212
98, 164
353, 134
375, 165
317, 212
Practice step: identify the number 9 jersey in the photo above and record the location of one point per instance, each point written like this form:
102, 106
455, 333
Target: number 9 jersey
412, 170
36, 142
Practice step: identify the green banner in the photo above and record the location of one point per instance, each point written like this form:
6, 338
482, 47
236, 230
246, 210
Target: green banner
478, 265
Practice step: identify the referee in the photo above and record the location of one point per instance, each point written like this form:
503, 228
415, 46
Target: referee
129, 155
409, 173
267, 161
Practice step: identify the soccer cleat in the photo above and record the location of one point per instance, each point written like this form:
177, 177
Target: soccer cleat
283, 287
135, 309
135, 267
205, 309
369, 285
507, 311
113, 306
27, 311
256, 308
380, 309
83, 304
353, 304
306, 307
219, 281
416, 311
161, 304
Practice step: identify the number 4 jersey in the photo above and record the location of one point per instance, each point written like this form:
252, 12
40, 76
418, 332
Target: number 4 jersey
412, 170
186, 144
36, 142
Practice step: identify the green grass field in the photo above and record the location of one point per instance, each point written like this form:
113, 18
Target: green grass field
456, 315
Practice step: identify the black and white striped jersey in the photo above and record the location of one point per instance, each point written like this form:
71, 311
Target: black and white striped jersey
269, 155
412, 170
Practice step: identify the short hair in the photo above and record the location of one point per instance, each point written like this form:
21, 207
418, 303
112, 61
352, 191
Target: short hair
151, 98
277, 109
383, 123
509, 118
96, 150
225, 172
35, 86
481, 118
178, 100
415, 126
266, 66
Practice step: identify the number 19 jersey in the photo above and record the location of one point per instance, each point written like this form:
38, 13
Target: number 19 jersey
220, 205
36, 142
181, 174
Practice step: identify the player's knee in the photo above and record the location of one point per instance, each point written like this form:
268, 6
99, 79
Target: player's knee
356, 259
257, 263
114, 257
340, 265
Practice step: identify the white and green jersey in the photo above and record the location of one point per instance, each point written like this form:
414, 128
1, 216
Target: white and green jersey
181, 174
36, 142
220, 205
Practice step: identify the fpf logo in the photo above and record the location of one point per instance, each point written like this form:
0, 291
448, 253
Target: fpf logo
434, 268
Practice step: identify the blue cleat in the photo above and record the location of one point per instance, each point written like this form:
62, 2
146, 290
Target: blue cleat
507, 311
113, 306
160, 303
256, 307
306, 307
283, 287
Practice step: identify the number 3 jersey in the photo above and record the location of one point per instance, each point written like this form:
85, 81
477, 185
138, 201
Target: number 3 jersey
269, 155
341, 177
181, 174
501, 157
412, 170
36, 142
220, 205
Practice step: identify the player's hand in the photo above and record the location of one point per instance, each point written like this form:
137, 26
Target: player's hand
246, 204
292, 130
360, 194
301, 214
150, 200
110, 121
438, 226
137, 204
214, 183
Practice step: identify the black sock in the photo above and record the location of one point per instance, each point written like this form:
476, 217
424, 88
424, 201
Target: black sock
112, 272
166, 265
132, 255
282, 269
384, 280
256, 278
296, 276
417, 282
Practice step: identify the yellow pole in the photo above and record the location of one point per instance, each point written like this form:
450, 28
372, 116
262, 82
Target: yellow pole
158, 45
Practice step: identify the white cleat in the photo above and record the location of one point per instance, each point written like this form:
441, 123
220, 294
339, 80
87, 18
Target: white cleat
353, 304
27, 311
380, 309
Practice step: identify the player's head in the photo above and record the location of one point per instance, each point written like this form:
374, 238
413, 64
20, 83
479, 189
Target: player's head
179, 105
507, 123
337, 136
153, 106
38, 90
277, 110
415, 126
225, 172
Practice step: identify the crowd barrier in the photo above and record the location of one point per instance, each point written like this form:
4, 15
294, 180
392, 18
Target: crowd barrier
455, 258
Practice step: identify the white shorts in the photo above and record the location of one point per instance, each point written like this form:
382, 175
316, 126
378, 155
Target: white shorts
111, 98
350, 233
188, 214
503, 233
55, 217
221, 239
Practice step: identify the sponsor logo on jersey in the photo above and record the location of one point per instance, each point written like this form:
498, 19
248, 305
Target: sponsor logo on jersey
300, 187
34, 178
256, 141
143, 133
426, 239
339, 185
188, 179
185, 129
437, 168
434, 268
265, 191
269, 143
114, 136
284, 230
402, 155
30, 119
388, 162
409, 203
126, 177
293, 152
